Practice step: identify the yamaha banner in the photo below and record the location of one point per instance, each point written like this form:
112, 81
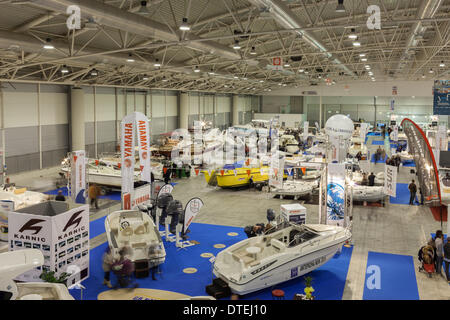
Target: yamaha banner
143, 130
128, 160
390, 180
78, 176
190, 212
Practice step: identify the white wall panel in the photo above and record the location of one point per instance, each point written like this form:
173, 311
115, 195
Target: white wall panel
106, 107
54, 108
20, 109
140, 102
88, 104
193, 104
224, 104
158, 105
120, 104
130, 102
172, 106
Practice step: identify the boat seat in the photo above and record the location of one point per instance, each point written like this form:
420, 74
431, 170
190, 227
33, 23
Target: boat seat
127, 232
254, 263
139, 245
141, 229
277, 244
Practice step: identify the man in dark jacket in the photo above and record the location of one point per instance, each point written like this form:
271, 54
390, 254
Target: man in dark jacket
447, 258
371, 180
412, 191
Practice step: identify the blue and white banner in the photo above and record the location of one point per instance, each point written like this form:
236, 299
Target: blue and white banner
441, 103
336, 194
78, 176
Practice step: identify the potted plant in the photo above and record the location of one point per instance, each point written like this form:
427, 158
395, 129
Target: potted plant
49, 276
308, 288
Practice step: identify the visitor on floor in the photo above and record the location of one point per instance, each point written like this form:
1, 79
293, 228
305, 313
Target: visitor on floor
108, 261
365, 180
94, 192
439, 242
447, 258
421, 196
123, 269
412, 191
167, 175
371, 179
153, 252
359, 156
60, 196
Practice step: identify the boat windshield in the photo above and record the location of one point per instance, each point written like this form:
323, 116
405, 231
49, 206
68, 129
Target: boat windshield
297, 237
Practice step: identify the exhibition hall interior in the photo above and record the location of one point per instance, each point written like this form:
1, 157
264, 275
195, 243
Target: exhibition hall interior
224, 150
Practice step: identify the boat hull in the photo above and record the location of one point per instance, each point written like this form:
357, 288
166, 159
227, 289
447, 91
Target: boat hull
285, 270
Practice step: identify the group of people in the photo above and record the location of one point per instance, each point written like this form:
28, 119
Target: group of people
395, 161
121, 265
439, 252
380, 154
368, 180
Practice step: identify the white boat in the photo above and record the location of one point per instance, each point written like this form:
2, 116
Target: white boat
379, 178
21, 197
405, 156
366, 193
13, 264
114, 161
264, 261
357, 146
135, 229
294, 188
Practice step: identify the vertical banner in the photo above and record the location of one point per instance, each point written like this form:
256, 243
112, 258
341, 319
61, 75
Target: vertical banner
190, 212
390, 180
335, 148
128, 160
395, 136
323, 197
441, 100
441, 138
305, 130
78, 176
363, 131
143, 130
392, 104
336, 194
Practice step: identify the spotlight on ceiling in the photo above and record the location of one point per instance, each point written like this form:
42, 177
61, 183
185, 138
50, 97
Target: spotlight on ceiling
48, 44
143, 9
340, 7
442, 64
164, 79
362, 55
431, 71
364, 59
130, 58
236, 45
253, 51
353, 34
145, 77
64, 69
157, 64
356, 44
184, 25
196, 69
94, 72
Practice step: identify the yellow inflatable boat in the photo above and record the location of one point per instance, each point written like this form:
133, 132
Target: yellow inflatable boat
242, 177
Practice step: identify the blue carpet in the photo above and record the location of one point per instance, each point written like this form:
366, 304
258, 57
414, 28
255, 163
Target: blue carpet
374, 134
97, 227
393, 146
379, 161
377, 143
328, 281
411, 164
403, 195
397, 277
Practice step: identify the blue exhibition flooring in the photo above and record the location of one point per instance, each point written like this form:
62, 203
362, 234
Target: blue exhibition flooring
433, 235
377, 143
114, 195
390, 277
403, 195
328, 280
379, 161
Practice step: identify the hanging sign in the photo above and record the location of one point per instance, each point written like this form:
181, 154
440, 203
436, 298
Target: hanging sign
143, 131
336, 194
392, 104
441, 101
78, 176
277, 63
394, 90
390, 180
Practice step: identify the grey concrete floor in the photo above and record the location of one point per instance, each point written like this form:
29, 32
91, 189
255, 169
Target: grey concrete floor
397, 229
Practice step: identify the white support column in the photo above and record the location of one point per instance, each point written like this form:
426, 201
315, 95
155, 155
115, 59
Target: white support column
183, 117
95, 122
235, 112
77, 109
39, 124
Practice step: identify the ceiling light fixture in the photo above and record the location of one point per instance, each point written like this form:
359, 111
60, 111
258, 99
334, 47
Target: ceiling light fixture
94, 72
157, 64
442, 65
356, 44
353, 35
130, 58
48, 44
340, 7
184, 26
431, 71
362, 55
143, 9
253, 51
301, 70
364, 59
236, 45
196, 69
145, 77
64, 69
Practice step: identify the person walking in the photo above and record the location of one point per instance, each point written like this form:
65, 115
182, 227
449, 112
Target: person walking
447, 258
154, 253
371, 179
439, 242
108, 261
412, 191
93, 194
60, 196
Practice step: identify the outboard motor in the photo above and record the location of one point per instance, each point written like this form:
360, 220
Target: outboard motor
163, 202
175, 210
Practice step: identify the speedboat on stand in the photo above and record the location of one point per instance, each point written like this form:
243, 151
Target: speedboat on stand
264, 261
366, 193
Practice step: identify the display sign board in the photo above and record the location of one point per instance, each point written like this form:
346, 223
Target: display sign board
276, 171
277, 63
193, 207
62, 234
294, 213
441, 102
394, 90
390, 180
305, 130
141, 195
78, 176
336, 194
442, 138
